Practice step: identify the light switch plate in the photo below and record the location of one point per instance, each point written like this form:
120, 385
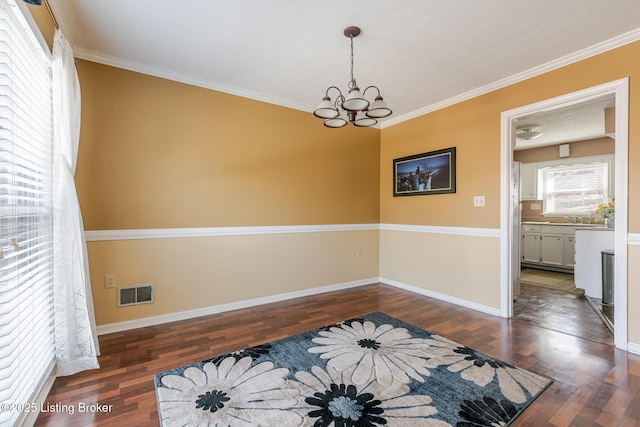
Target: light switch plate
478, 201
535, 206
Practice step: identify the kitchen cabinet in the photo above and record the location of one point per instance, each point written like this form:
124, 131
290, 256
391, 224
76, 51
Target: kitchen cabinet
531, 247
569, 251
548, 246
528, 181
552, 249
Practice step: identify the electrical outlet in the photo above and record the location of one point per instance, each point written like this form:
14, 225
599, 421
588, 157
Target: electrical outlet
478, 201
110, 281
535, 206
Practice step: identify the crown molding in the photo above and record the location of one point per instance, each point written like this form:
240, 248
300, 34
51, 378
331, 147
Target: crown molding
188, 79
580, 55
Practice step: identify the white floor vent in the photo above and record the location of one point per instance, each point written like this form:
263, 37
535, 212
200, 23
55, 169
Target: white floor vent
134, 295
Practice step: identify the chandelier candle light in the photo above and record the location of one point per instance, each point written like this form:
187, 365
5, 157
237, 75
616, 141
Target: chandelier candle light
357, 109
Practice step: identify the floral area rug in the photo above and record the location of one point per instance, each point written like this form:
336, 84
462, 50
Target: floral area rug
370, 371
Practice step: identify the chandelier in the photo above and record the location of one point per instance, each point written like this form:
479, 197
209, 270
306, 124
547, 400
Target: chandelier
354, 106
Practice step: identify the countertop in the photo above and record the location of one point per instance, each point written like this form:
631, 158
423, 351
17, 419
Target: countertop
601, 228
560, 224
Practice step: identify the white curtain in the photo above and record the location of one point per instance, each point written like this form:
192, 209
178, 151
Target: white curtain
74, 321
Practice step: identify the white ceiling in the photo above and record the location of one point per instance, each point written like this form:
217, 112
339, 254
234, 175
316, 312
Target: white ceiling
578, 122
422, 54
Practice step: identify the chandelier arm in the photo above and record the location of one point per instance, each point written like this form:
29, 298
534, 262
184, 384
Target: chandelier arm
336, 88
369, 87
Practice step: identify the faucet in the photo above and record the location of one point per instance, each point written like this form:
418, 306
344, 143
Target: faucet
571, 218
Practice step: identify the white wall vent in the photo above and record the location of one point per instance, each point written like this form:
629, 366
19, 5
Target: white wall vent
134, 295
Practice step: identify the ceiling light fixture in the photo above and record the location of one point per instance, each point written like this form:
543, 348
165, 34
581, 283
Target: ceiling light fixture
527, 133
354, 106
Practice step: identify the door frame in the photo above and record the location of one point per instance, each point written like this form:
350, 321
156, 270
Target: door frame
620, 88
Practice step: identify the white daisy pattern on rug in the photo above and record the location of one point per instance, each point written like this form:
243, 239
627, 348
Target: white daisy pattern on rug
383, 353
231, 394
481, 370
329, 398
370, 371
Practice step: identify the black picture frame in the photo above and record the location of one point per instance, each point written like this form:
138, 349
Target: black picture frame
427, 173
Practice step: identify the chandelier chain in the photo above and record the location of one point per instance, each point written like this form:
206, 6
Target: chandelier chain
352, 82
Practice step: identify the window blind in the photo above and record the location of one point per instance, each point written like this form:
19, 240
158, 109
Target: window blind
576, 189
27, 351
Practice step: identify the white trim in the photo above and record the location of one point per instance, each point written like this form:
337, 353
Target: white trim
633, 348
620, 88
172, 233
188, 79
191, 314
205, 311
461, 231
580, 55
633, 239
442, 297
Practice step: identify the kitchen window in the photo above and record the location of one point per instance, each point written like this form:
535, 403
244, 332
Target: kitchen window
575, 189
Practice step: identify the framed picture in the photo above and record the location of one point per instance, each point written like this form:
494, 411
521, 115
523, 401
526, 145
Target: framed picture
427, 173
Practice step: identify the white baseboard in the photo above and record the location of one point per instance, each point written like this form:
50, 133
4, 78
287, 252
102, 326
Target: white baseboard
205, 311
442, 297
633, 348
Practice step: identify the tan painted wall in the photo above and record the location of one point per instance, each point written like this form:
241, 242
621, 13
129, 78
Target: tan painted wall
159, 154
44, 22
155, 153
462, 267
592, 147
474, 128
192, 273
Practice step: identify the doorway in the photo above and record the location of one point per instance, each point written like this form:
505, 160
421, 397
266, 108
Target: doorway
509, 236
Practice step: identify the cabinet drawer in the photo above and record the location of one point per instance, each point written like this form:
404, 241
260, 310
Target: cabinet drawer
528, 228
558, 229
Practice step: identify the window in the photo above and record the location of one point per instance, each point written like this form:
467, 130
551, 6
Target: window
27, 350
575, 189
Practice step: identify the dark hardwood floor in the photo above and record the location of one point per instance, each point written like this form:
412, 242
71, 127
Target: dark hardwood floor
594, 384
